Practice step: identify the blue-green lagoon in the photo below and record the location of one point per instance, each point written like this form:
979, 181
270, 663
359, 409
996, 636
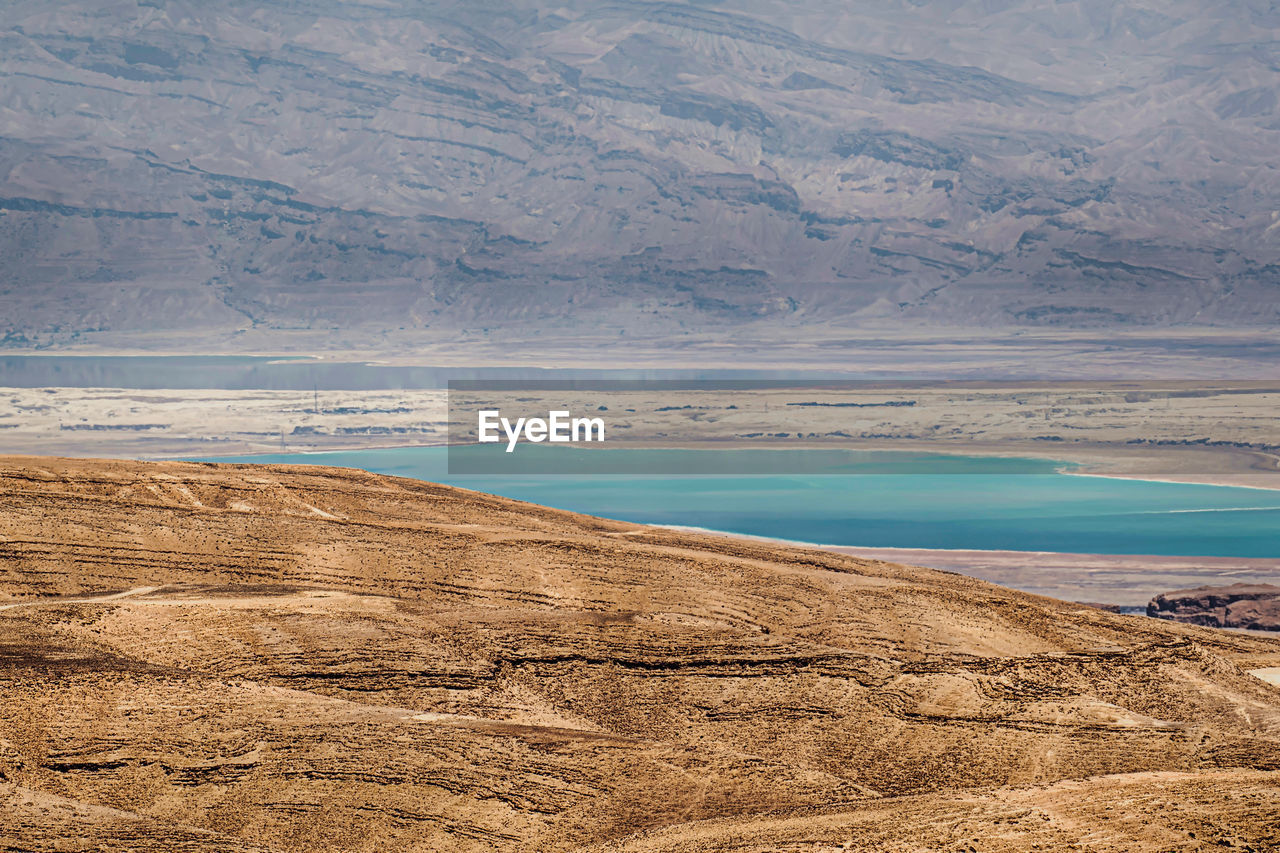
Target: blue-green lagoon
867, 498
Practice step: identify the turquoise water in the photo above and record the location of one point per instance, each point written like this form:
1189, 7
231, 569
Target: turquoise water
875, 499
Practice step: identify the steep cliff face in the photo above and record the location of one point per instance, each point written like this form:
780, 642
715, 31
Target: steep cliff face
1240, 605
650, 166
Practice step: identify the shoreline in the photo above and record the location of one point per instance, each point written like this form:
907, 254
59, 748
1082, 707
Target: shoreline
1218, 433
1093, 461
1228, 481
1122, 580
911, 351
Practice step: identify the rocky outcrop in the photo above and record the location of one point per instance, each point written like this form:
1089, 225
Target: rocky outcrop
1240, 605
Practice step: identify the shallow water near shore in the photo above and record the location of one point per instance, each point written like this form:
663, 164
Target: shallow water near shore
304, 373
878, 499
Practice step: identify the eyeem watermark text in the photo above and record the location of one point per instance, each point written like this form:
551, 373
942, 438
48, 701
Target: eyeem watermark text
557, 428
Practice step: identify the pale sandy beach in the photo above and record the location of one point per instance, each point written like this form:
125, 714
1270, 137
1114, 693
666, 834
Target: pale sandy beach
1120, 580
1114, 579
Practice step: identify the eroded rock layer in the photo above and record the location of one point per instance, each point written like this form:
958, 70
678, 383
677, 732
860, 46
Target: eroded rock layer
1239, 605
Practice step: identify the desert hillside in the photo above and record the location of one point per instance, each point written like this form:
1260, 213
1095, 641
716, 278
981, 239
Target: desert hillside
214, 657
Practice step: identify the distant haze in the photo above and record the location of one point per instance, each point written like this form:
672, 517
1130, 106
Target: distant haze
635, 168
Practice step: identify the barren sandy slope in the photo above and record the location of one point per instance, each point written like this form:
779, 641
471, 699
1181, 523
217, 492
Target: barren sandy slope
199, 657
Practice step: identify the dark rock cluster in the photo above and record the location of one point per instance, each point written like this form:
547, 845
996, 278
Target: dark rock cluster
1240, 605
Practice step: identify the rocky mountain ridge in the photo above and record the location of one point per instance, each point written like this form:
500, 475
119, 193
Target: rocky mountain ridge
647, 167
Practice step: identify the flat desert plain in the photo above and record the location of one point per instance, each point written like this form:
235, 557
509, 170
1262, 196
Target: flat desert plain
1191, 430
211, 657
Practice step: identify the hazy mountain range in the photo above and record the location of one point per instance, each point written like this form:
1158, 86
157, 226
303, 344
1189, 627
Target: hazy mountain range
638, 167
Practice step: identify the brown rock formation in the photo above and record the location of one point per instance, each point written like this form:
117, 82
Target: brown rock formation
1240, 605
218, 657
